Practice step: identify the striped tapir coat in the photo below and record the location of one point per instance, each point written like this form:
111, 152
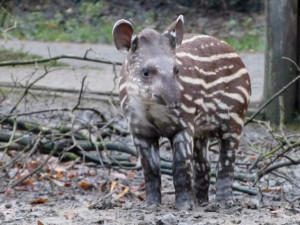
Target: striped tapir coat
188, 88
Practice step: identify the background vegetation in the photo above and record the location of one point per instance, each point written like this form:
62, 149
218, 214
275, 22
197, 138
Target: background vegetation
236, 21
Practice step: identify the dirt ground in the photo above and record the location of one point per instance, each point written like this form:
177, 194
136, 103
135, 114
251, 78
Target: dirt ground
84, 193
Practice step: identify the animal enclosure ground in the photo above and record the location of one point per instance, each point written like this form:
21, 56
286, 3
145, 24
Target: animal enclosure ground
73, 192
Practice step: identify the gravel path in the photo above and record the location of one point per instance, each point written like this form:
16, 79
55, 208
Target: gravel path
100, 76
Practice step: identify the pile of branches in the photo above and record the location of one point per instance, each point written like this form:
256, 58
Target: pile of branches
91, 142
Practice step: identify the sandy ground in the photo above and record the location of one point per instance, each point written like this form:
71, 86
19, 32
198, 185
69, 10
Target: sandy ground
100, 75
68, 202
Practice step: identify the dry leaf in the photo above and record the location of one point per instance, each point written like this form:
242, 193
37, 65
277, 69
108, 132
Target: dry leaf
70, 216
83, 184
60, 169
72, 175
9, 192
21, 189
59, 175
39, 201
40, 223
26, 182
119, 175
67, 184
103, 187
131, 174
275, 212
90, 173
32, 165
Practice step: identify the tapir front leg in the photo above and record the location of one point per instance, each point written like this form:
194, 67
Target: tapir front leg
182, 170
149, 150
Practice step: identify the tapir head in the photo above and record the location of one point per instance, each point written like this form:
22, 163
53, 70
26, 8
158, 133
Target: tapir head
150, 67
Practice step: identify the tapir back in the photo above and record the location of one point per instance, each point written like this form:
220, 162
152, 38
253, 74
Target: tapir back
214, 82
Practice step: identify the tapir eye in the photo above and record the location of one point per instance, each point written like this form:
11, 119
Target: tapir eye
145, 72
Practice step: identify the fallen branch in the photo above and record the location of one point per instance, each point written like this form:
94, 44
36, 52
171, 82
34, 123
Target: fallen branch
64, 90
47, 145
276, 94
35, 61
275, 166
271, 99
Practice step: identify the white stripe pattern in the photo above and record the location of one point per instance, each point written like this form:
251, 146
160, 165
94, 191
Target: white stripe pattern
198, 81
236, 118
181, 88
224, 116
191, 110
221, 105
122, 86
231, 135
234, 96
194, 38
188, 97
205, 72
208, 59
201, 103
245, 92
123, 100
178, 62
211, 106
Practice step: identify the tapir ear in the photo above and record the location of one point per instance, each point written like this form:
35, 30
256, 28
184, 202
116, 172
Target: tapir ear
122, 34
176, 29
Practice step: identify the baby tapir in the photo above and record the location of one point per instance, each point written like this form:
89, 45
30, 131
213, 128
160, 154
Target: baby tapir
188, 88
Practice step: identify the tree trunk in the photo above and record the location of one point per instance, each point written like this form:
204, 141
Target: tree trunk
298, 55
282, 40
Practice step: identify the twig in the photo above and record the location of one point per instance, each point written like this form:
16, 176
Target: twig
281, 114
276, 94
64, 90
254, 164
59, 144
30, 85
80, 94
275, 166
29, 62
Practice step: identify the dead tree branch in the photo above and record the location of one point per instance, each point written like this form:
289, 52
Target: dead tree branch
283, 89
32, 62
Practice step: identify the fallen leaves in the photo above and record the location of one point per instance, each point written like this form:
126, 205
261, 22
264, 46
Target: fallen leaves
25, 182
32, 165
9, 192
85, 185
131, 175
39, 201
39, 223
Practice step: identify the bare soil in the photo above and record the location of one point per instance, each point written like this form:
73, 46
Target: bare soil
84, 193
